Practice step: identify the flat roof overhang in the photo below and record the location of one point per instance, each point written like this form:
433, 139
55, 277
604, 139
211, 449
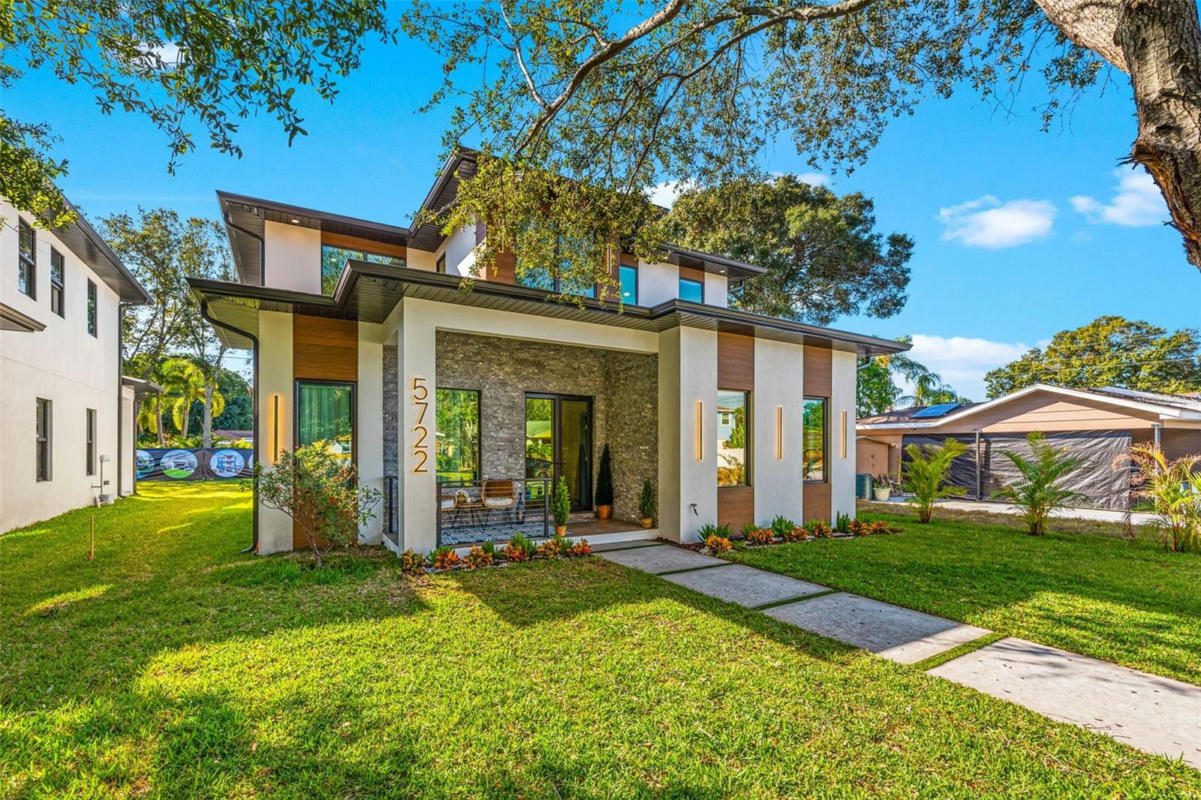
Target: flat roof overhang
369, 292
13, 320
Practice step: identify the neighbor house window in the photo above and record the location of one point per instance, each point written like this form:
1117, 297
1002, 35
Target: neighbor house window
91, 308
44, 435
692, 291
90, 440
333, 261
814, 439
733, 441
56, 282
457, 441
325, 416
628, 276
27, 265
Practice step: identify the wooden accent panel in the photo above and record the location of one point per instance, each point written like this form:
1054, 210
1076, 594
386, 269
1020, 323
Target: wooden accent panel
325, 349
735, 361
818, 372
815, 501
629, 259
502, 270
736, 506
692, 274
358, 243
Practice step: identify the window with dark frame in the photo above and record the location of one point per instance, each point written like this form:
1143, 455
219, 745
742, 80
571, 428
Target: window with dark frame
457, 435
56, 282
628, 278
692, 291
43, 435
90, 432
440, 264
325, 416
814, 439
91, 308
733, 438
27, 259
334, 258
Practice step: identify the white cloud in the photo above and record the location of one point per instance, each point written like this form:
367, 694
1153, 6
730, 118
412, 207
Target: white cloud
814, 178
961, 360
665, 194
987, 222
1136, 202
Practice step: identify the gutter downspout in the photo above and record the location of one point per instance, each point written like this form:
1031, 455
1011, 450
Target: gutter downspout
262, 258
254, 402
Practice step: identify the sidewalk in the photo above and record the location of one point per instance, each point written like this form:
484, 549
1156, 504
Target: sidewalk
1158, 715
990, 507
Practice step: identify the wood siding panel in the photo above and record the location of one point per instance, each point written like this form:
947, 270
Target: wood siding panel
736, 506
358, 243
692, 273
503, 269
735, 361
815, 501
819, 372
325, 349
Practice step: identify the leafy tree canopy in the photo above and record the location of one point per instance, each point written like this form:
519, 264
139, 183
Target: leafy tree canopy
1109, 351
823, 256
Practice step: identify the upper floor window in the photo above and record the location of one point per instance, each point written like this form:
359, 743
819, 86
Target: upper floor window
733, 443
692, 291
628, 277
26, 259
91, 308
550, 280
440, 264
56, 282
333, 261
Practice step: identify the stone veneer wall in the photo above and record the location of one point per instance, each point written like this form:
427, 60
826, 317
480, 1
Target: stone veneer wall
624, 388
391, 363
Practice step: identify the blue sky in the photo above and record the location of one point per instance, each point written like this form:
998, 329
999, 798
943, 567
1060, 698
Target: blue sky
1019, 233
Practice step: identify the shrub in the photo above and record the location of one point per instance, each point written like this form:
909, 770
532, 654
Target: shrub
1037, 493
647, 504
581, 548
560, 503
1171, 490
842, 523
880, 526
445, 557
796, 534
320, 491
819, 528
604, 479
717, 544
758, 535
553, 548
411, 562
715, 538
782, 526
924, 474
520, 548
477, 557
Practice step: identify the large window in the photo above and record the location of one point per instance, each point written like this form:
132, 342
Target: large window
458, 435
629, 284
56, 282
27, 265
44, 437
91, 308
90, 441
814, 439
551, 280
692, 291
333, 261
733, 439
325, 416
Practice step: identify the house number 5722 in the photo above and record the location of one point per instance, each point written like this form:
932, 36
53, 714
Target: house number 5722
419, 394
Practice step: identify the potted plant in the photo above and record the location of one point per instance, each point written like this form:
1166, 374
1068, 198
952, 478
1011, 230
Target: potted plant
560, 506
646, 504
881, 488
604, 486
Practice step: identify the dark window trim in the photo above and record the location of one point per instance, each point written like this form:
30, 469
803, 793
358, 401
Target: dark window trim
479, 424
354, 412
44, 466
683, 280
58, 294
748, 455
28, 263
440, 264
90, 437
825, 401
93, 309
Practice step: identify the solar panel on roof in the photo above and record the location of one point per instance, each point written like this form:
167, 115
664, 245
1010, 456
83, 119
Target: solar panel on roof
940, 410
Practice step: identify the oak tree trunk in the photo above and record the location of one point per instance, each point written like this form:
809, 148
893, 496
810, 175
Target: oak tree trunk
207, 424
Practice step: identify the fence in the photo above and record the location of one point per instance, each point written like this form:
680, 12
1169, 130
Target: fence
194, 464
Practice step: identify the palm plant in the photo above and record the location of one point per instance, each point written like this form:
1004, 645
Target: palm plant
924, 474
1171, 490
185, 384
1037, 493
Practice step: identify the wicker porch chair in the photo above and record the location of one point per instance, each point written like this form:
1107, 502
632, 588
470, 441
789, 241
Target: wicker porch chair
499, 496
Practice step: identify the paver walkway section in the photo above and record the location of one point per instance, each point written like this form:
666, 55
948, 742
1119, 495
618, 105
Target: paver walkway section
1155, 714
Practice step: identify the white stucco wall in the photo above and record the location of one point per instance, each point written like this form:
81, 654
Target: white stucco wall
369, 403
293, 256
715, 290
657, 283
128, 429
64, 364
459, 249
420, 259
275, 432
687, 485
842, 433
777, 477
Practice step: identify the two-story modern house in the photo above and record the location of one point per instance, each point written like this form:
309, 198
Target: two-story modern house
464, 405
66, 414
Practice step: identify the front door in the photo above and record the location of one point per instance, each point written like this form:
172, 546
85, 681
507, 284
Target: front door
558, 443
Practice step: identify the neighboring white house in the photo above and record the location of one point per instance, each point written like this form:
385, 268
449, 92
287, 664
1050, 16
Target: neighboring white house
463, 406
66, 415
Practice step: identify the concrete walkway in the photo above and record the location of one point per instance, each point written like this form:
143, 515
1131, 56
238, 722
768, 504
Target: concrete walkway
991, 507
1155, 714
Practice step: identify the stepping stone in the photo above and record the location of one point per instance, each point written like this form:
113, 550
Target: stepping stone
1158, 715
896, 633
745, 585
661, 558
628, 545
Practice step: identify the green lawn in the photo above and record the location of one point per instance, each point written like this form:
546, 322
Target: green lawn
174, 666
1127, 602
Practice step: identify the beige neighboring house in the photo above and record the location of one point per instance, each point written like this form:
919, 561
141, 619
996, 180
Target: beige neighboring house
66, 413
1096, 425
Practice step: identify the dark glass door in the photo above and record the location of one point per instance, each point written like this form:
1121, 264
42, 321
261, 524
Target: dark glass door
558, 443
